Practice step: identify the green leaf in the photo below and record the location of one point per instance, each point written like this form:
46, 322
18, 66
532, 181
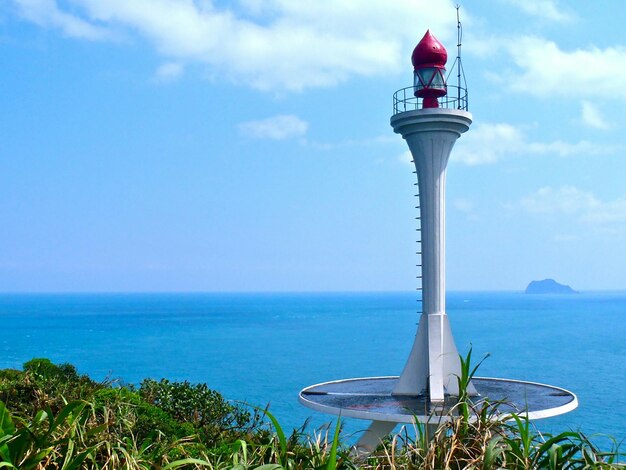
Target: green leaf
492, 452
33, 461
78, 460
97, 429
7, 429
183, 462
69, 413
6, 423
236, 446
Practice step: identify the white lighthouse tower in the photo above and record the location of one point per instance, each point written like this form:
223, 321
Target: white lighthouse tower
430, 132
427, 390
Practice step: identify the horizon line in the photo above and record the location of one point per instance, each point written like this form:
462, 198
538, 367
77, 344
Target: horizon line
266, 292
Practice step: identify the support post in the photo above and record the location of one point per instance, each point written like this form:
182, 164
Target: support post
372, 437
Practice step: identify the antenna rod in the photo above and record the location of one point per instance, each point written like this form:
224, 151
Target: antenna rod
458, 57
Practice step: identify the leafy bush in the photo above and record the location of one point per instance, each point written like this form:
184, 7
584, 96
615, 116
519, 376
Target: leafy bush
43, 384
154, 412
211, 416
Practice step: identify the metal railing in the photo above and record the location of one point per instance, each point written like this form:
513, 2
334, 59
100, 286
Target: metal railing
405, 100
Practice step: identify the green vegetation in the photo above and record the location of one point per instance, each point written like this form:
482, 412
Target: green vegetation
51, 417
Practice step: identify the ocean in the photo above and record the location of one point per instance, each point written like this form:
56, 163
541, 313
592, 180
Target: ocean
264, 348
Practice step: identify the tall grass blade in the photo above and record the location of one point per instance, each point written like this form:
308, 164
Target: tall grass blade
332, 459
279, 433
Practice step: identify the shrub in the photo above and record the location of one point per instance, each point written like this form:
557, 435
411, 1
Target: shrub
212, 417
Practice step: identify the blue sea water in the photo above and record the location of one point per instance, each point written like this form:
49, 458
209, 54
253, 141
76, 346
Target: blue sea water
264, 348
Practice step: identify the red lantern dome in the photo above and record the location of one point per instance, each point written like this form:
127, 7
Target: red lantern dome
429, 52
429, 59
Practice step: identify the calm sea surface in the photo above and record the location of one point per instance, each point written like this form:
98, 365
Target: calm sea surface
264, 348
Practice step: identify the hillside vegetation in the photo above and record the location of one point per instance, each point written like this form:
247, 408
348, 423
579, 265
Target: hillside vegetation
52, 417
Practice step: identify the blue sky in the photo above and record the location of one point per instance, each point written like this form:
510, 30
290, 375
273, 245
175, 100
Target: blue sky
178, 145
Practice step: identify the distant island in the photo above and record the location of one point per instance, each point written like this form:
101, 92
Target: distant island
548, 286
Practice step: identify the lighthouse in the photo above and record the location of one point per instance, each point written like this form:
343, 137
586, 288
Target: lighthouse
430, 132
430, 120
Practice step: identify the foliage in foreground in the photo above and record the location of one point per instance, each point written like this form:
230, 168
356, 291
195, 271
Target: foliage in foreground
59, 419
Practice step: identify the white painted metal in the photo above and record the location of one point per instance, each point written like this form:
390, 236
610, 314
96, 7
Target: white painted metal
435, 357
372, 437
433, 365
411, 383
451, 361
434, 418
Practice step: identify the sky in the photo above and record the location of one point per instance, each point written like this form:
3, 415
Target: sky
199, 145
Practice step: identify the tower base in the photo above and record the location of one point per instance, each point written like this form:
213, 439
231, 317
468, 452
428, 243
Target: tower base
434, 365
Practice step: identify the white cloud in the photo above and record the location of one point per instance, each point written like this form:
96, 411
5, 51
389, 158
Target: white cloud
169, 71
406, 158
490, 143
591, 116
347, 143
583, 206
545, 69
567, 149
46, 13
565, 200
545, 9
607, 212
463, 205
275, 128
267, 44
466, 207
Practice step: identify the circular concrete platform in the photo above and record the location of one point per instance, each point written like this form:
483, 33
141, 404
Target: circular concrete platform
370, 398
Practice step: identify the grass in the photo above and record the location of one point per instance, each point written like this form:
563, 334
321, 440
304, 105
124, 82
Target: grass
51, 417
